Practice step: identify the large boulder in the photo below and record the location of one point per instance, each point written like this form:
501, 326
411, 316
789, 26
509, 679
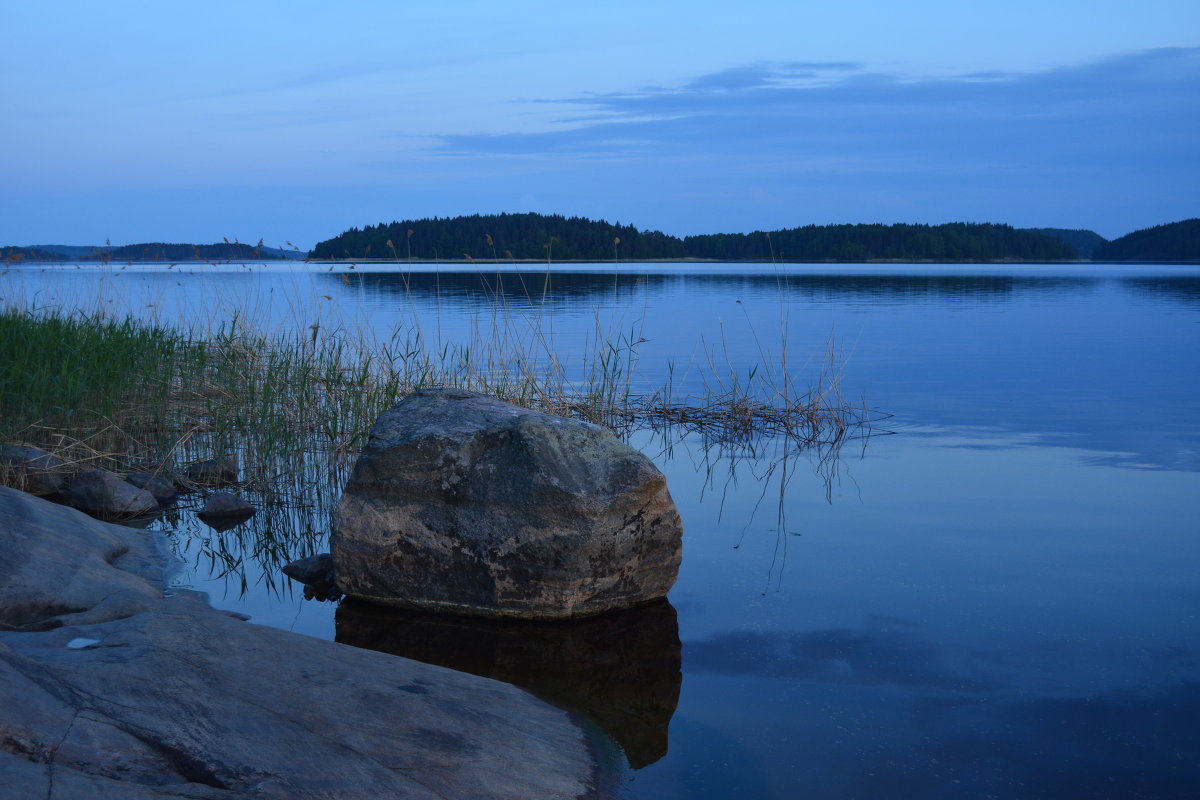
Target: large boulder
464, 503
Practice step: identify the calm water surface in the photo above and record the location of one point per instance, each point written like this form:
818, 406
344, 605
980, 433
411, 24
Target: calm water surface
998, 597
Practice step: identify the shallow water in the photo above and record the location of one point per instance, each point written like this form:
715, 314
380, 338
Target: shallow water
997, 595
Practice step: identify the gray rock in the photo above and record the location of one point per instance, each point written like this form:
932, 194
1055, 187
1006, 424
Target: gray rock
213, 472
176, 700
465, 503
32, 470
164, 490
225, 504
316, 573
108, 496
310, 570
63, 568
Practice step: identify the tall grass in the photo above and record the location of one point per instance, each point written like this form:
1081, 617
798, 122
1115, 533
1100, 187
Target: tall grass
116, 392
294, 405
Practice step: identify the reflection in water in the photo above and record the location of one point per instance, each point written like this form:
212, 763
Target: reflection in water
1183, 288
245, 552
771, 464
565, 288
621, 670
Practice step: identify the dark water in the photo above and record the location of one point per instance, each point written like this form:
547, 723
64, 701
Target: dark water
998, 598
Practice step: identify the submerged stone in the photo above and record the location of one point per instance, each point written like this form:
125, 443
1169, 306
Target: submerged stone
465, 503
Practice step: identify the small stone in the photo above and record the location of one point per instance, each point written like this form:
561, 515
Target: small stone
107, 496
213, 472
164, 491
310, 570
316, 573
80, 643
226, 504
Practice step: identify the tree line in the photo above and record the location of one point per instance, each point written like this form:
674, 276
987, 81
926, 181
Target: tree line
1176, 241
501, 237
147, 251
549, 237
516, 237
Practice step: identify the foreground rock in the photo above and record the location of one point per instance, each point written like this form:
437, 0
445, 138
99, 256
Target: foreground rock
112, 691
109, 496
464, 503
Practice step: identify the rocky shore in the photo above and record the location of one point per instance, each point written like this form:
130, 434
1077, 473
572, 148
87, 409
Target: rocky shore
116, 688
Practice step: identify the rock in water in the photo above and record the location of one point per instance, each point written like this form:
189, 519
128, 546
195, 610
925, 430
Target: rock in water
213, 472
106, 495
32, 470
226, 504
164, 491
464, 503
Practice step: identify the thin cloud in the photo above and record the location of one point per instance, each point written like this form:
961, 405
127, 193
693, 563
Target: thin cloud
852, 111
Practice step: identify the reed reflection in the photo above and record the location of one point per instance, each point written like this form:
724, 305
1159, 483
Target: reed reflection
563, 288
620, 670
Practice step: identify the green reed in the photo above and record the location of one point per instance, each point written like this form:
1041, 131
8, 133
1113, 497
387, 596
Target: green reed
295, 407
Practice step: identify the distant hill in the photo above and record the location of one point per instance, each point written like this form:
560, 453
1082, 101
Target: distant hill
500, 236
538, 236
67, 251
151, 251
1175, 241
954, 241
291, 255
1084, 241
158, 251
13, 255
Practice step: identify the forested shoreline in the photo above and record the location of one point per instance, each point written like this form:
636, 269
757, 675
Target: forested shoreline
538, 237
550, 237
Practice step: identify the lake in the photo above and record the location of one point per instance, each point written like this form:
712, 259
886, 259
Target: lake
992, 592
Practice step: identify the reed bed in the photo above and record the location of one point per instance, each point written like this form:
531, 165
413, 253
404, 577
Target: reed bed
124, 393
294, 405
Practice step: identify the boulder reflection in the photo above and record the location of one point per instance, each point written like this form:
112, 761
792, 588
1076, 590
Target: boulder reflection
621, 670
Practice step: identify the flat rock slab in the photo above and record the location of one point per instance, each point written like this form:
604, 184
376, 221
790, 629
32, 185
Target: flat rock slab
171, 698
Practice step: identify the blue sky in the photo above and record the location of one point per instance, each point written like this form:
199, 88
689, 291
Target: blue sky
291, 121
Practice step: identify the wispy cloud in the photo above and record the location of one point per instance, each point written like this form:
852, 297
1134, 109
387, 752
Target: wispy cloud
1108, 144
840, 109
